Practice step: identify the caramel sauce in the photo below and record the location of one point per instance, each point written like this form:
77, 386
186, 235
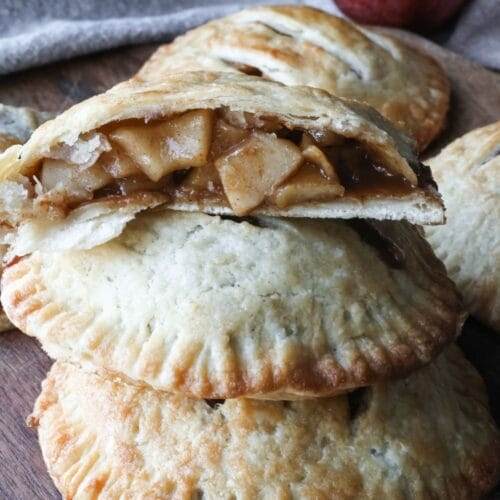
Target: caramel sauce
424, 176
362, 173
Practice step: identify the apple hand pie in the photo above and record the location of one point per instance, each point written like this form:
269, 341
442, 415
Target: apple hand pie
221, 143
299, 45
16, 126
428, 436
265, 307
469, 244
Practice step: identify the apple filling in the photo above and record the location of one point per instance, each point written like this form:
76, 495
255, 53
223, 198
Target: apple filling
217, 157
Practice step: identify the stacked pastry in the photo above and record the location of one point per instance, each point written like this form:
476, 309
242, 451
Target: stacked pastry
210, 341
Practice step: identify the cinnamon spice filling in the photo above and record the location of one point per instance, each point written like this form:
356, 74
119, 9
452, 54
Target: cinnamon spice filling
226, 158
363, 174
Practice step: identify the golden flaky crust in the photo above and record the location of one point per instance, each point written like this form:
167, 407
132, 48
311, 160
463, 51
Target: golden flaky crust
300, 107
296, 107
468, 171
85, 227
214, 308
429, 436
299, 45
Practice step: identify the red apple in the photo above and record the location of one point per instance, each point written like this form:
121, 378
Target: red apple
416, 14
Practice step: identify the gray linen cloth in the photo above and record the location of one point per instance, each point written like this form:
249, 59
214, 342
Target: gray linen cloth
477, 33
34, 32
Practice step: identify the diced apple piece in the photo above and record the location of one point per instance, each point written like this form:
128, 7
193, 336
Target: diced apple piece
203, 179
312, 153
308, 184
78, 182
226, 136
315, 155
188, 143
57, 174
396, 166
143, 145
160, 148
84, 152
118, 165
253, 169
136, 183
93, 178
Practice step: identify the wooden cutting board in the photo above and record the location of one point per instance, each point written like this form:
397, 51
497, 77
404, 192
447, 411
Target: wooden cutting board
475, 102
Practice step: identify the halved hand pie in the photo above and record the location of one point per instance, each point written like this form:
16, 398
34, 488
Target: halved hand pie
469, 243
428, 436
220, 143
217, 308
299, 45
16, 125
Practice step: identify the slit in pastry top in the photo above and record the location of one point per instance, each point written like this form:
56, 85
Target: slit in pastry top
224, 143
301, 45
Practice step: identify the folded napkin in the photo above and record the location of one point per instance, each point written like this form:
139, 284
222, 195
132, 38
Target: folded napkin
35, 32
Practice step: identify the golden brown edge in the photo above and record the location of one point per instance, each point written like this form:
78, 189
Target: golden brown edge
310, 377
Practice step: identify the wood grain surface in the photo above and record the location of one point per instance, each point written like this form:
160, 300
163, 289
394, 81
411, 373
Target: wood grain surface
475, 102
